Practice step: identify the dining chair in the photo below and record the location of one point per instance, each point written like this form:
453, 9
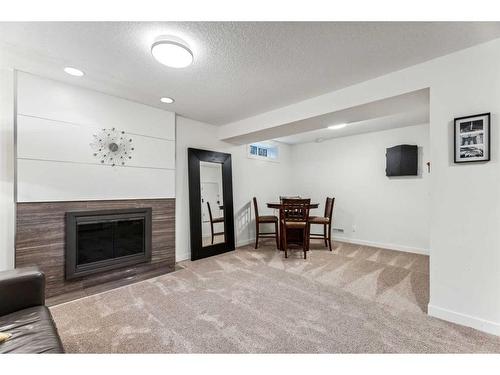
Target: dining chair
294, 215
289, 197
326, 221
269, 219
214, 221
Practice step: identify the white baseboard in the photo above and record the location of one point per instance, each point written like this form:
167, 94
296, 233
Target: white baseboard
463, 319
187, 256
246, 242
406, 249
389, 246
181, 257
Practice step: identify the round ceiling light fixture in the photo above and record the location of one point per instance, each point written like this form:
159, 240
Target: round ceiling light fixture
167, 100
172, 51
73, 71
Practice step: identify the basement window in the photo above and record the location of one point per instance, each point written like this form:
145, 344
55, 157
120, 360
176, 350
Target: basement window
264, 151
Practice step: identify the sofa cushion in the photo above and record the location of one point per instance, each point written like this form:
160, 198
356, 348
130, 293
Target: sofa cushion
33, 331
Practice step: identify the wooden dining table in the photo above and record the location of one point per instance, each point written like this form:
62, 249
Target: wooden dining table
277, 205
294, 238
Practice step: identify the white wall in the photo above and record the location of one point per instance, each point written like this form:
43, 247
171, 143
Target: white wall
7, 174
465, 205
263, 179
55, 126
465, 199
371, 208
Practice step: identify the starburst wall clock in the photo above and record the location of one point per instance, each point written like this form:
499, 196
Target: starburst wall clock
112, 147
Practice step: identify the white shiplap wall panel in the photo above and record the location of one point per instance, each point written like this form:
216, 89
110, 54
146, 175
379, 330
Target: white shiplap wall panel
54, 100
45, 181
62, 141
55, 124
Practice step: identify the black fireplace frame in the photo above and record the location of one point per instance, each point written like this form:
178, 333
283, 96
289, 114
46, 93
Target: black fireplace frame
74, 271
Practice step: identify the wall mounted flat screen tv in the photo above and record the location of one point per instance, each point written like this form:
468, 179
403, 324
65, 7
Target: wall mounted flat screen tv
401, 160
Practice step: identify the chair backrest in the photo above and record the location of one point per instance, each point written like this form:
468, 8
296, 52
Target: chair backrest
256, 208
209, 211
289, 197
329, 207
295, 209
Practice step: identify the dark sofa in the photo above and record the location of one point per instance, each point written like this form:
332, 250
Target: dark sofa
23, 313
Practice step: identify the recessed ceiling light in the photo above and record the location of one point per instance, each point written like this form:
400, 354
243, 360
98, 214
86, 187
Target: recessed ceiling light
73, 71
336, 127
167, 100
172, 51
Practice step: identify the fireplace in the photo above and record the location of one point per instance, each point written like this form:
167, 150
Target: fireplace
102, 240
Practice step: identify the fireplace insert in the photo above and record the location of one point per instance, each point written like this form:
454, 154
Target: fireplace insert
102, 240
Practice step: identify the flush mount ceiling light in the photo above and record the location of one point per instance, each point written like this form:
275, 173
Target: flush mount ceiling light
336, 127
167, 100
73, 71
172, 51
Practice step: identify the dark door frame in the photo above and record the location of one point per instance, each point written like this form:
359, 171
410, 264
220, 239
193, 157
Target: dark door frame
195, 156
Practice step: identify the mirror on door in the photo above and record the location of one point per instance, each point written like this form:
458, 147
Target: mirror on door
212, 204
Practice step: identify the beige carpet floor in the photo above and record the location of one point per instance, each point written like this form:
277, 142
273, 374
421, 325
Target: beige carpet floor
356, 299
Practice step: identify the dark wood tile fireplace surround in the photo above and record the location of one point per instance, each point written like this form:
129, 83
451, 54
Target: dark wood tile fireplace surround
40, 241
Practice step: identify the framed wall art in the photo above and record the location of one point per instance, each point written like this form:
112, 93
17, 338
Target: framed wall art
472, 138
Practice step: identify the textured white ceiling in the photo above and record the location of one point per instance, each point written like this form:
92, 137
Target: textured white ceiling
240, 69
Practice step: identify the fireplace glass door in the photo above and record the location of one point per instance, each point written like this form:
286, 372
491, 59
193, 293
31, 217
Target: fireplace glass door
106, 239
109, 240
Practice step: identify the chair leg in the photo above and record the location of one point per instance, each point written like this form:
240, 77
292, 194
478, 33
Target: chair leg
285, 244
305, 244
308, 237
277, 235
282, 247
257, 236
330, 237
324, 234
307, 234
